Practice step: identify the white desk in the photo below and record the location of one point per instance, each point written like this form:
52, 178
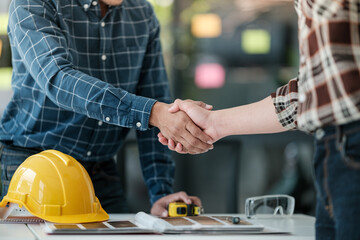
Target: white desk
301, 227
15, 232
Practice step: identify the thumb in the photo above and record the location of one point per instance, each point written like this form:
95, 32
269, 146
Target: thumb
176, 106
200, 104
208, 107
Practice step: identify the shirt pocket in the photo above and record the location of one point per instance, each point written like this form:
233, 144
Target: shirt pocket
350, 150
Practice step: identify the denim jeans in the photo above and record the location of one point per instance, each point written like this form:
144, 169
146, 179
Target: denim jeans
104, 176
337, 175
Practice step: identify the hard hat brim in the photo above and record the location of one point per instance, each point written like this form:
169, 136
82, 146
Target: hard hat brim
100, 216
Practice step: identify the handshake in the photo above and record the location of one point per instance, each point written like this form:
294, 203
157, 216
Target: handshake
186, 126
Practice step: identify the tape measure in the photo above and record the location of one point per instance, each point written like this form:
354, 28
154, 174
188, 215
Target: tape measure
181, 209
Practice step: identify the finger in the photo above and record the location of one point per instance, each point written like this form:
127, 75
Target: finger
171, 144
200, 104
192, 144
195, 200
162, 138
163, 141
159, 209
164, 213
209, 107
179, 148
196, 131
200, 139
179, 196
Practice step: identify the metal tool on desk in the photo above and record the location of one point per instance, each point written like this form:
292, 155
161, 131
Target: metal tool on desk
233, 220
181, 209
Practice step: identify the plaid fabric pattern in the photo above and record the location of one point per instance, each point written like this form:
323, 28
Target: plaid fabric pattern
81, 81
327, 89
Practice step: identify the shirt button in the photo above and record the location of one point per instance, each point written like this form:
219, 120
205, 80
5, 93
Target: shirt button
107, 119
100, 123
138, 124
302, 97
94, 3
102, 24
103, 57
302, 59
86, 6
88, 153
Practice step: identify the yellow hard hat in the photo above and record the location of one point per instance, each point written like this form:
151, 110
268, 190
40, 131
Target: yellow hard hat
55, 187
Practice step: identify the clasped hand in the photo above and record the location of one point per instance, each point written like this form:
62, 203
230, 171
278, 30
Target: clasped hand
177, 126
200, 116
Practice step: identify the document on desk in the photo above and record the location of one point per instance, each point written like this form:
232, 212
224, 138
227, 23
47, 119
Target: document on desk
108, 227
196, 224
146, 223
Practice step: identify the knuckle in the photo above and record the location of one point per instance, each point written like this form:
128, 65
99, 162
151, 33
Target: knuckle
175, 127
177, 132
182, 193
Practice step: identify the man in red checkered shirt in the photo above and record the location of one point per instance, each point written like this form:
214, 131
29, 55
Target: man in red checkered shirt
324, 100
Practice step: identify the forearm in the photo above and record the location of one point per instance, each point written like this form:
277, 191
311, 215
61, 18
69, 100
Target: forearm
254, 118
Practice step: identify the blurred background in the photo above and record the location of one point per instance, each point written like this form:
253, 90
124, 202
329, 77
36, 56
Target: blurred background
225, 53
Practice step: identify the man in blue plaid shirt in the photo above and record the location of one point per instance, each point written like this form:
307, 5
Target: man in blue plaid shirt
84, 73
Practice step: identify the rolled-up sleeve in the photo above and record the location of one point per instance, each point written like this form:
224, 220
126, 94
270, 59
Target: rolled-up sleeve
285, 100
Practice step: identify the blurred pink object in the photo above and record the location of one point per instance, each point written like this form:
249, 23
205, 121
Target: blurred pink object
209, 75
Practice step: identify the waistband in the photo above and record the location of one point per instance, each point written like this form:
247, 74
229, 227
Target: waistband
333, 131
9, 148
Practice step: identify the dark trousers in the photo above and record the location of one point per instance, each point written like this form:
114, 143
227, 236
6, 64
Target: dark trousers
337, 173
104, 176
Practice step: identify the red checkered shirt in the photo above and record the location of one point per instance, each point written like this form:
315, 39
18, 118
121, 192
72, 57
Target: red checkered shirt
327, 89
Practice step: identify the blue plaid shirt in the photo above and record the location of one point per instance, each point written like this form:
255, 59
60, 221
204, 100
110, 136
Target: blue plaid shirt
81, 81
